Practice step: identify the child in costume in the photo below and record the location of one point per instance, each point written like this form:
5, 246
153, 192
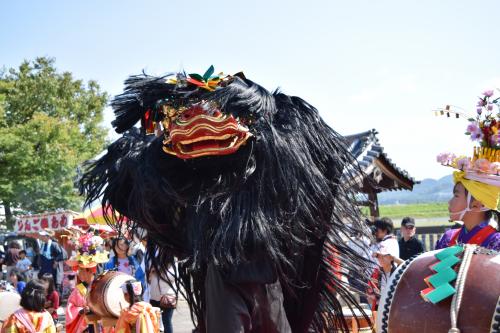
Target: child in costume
85, 262
140, 316
477, 183
31, 318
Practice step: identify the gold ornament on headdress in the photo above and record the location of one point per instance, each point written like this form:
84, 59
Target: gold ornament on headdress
490, 154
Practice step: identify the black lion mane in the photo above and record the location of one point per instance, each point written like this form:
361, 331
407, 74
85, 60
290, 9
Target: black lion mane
285, 197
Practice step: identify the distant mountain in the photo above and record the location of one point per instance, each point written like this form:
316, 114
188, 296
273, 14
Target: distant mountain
429, 190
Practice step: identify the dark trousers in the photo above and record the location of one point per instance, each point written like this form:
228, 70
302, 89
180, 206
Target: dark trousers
166, 317
243, 307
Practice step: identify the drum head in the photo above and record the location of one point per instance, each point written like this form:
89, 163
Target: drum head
9, 303
114, 299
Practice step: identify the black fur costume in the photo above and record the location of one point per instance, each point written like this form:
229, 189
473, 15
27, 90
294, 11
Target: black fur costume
281, 204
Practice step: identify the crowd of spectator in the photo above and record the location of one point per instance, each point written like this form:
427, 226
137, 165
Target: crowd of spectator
46, 265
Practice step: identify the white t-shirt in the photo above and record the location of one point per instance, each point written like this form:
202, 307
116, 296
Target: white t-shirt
23, 264
389, 245
158, 287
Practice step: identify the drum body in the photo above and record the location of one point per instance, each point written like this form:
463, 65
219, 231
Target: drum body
9, 303
402, 309
106, 297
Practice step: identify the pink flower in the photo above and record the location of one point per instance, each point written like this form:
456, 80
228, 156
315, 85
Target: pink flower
445, 158
477, 136
488, 93
495, 139
473, 128
495, 167
481, 102
490, 107
479, 111
482, 164
463, 163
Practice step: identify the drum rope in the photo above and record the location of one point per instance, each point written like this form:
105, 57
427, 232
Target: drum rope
459, 285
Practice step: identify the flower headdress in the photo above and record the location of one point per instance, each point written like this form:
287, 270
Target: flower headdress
89, 252
169, 108
480, 174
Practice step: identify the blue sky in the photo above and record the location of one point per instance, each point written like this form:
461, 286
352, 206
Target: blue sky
363, 64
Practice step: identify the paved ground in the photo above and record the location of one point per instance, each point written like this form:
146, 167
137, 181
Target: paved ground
182, 319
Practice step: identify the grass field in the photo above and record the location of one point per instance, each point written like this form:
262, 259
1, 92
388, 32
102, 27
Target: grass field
425, 211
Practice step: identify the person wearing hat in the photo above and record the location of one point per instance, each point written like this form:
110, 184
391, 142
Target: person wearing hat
473, 203
85, 262
476, 192
409, 245
386, 252
50, 254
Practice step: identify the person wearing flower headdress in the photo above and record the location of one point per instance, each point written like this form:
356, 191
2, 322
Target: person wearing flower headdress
139, 317
85, 262
476, 192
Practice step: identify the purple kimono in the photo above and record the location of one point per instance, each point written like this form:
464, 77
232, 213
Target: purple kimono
491, 242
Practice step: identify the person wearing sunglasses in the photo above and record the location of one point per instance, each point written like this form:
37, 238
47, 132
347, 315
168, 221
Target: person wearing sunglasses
409, 244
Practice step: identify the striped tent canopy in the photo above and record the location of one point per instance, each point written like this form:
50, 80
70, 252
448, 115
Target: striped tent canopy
95, 215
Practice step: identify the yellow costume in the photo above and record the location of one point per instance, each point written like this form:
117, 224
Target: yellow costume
139, 318
23, 321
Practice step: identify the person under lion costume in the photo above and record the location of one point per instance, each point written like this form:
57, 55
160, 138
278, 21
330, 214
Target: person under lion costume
250, 189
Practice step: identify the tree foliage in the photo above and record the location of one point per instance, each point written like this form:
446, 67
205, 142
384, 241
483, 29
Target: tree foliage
50, 123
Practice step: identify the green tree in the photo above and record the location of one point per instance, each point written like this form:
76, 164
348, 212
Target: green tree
49, 124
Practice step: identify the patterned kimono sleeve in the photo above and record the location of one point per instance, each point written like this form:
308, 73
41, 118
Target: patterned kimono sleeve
138, 319
52, 327
444, 240
75, 322
74, 306
42, 322
494, 242
124, 323
10, 326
